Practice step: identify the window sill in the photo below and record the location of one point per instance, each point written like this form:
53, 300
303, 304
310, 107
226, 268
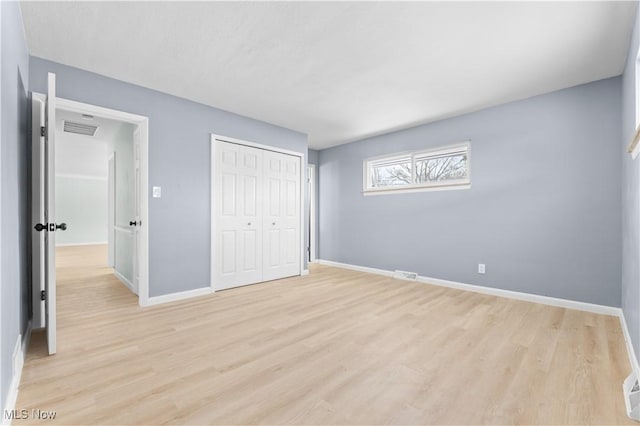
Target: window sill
409, 189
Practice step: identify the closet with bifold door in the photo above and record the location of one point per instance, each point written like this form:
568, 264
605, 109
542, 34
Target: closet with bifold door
256, 215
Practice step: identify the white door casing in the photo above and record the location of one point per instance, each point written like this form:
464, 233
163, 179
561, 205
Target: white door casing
311, 169
111, 211
142, 177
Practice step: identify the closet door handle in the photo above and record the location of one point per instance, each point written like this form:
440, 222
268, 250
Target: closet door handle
273, 223
249, 224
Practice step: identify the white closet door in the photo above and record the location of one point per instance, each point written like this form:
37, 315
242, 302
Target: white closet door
238, 213
281, 221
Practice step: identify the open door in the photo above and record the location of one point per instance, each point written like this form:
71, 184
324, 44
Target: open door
47, 227
50, 213
137, 221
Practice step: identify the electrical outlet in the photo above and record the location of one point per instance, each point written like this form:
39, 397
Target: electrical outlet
481, 268
157, 192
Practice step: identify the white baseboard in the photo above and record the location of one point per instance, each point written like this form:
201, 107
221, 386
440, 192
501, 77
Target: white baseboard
125, 281
633, 359
93, 243
304, 272
166, 298
19, 354
527, 297
355, 267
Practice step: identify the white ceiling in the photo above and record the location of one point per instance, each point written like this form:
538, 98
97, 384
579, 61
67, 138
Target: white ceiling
339, 71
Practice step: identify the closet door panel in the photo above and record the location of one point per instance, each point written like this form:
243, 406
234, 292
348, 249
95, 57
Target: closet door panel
282, 218
238, 215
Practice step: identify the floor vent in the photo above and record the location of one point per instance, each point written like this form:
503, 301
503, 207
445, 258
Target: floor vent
80, 128
404, 275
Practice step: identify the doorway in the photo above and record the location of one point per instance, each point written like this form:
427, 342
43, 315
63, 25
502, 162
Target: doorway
95, 190
101, 180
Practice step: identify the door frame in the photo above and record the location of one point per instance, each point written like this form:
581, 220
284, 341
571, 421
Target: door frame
313, 200
217, 137
111, 210
142, 123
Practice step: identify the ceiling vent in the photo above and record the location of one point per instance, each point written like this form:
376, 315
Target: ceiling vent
80, 128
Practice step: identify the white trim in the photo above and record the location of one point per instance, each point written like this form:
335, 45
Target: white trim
93, 243
633, 359
304, 272
123, 229
143, 124
85, 177
19, 354
313, 220
80, 107
125, 281
355, 267
409, 189
527, 297
301, 155
173, 297
631, 401
256, 145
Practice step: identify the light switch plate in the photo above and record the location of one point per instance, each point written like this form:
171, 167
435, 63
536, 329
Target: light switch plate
157, 192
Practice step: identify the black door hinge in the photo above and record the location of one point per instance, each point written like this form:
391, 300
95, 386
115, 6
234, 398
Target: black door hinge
42, 131
43, 295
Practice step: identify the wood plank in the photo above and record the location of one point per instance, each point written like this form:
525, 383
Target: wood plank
333, 347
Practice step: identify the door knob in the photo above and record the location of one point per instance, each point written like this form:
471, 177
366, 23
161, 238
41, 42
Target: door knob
133, 223
50, 227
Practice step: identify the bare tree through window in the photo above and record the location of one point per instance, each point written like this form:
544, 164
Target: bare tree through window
442, 165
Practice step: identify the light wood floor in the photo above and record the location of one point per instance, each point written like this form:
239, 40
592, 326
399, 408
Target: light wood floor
334, 347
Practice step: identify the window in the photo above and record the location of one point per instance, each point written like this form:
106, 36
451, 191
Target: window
439, 168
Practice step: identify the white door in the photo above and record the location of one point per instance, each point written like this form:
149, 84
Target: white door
137, 221
50, 214
281, 183
38, 211
237, 213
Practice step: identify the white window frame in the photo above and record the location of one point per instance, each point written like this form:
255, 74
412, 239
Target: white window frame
368, 163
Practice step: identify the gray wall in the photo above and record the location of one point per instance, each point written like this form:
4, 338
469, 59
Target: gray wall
179, 162
543, 212
14, 182
630, 199
314, 159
